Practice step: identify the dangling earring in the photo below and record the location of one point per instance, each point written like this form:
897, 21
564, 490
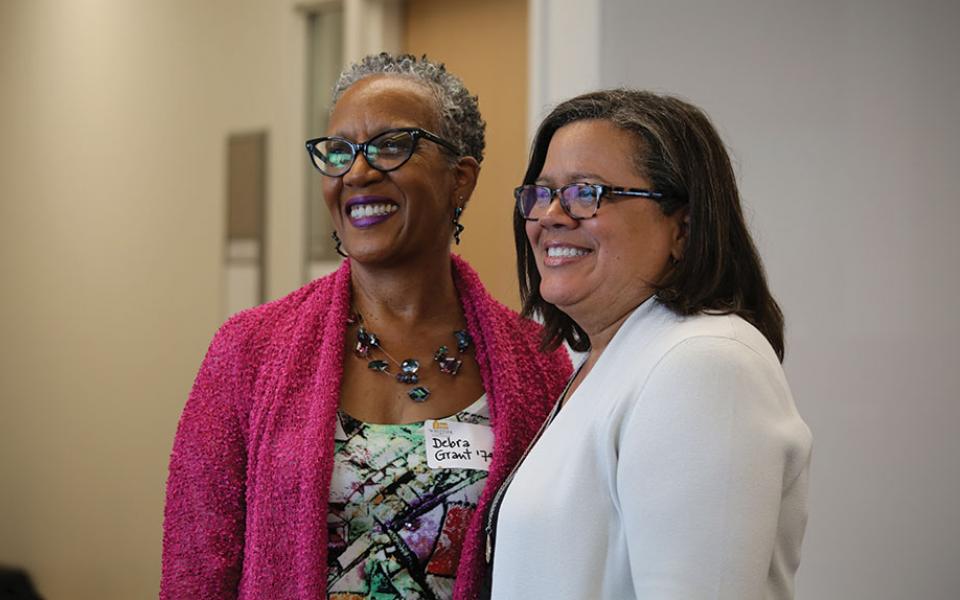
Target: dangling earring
457, 227
339, 245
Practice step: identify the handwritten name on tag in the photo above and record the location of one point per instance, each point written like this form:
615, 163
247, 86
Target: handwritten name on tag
456, 445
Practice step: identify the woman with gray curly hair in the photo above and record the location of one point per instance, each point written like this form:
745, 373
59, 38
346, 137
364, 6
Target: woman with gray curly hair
344, 440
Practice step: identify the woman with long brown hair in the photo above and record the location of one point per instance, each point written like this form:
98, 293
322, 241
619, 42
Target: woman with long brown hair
674, 466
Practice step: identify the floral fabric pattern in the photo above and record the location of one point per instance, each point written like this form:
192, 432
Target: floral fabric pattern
395, 525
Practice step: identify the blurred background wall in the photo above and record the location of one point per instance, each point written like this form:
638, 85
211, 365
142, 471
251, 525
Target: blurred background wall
115, 116
113, 214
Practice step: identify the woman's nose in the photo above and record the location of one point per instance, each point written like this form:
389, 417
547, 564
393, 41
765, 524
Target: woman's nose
556, 216
361, 173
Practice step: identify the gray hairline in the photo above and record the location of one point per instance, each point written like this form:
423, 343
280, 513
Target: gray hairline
434, 90
445, 94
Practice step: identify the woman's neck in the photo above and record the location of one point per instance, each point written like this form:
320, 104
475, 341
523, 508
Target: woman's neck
600, 329
601, 326
408, 294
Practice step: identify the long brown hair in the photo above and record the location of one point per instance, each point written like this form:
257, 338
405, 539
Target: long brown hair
682, 155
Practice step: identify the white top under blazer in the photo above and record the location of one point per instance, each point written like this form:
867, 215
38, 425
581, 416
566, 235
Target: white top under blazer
676, 471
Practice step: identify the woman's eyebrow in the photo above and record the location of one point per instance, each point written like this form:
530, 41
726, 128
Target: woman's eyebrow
573, 178
376, 131
586, 175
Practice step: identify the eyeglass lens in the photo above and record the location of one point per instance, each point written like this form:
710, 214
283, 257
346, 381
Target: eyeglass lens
578, 200
385, 152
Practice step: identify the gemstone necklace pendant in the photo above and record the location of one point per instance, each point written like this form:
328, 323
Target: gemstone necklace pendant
448, 364
419, 393
409, 369
379, 365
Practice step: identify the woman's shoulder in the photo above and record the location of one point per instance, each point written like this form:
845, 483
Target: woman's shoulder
660, 331
719, 355
522, 337
261, 326
510, 345
520, 328
712, 364
515, 331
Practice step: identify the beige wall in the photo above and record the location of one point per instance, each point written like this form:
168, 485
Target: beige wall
114, 116
485, 43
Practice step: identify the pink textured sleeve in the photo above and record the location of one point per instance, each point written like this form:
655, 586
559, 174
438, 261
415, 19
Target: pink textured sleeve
203, 529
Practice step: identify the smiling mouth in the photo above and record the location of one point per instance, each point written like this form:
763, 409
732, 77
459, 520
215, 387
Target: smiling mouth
366, 211
566, 252
359, 211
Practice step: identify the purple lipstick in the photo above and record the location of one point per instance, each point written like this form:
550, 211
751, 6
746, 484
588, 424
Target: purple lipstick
367, 211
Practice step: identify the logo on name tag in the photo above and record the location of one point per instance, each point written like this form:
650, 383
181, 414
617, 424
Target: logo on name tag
456, 445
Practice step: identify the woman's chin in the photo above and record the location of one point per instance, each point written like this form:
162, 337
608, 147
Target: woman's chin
388, 255
563, 299
370, 251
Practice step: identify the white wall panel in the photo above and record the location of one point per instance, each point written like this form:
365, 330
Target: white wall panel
564, 39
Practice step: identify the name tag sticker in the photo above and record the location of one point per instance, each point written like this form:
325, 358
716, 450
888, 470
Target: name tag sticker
456, 445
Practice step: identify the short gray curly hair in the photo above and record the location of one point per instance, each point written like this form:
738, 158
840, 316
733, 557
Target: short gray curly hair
460, 120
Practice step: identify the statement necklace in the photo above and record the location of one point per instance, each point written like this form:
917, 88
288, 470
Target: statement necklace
409, 369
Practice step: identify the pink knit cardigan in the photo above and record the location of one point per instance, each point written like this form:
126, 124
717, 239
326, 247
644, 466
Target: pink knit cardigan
250, 471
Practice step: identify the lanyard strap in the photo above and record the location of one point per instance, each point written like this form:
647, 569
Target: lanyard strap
493, 512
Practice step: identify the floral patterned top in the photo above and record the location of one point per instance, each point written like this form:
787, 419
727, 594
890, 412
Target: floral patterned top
395, 524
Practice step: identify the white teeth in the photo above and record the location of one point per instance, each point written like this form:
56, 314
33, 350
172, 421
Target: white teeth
371, 210
565, 251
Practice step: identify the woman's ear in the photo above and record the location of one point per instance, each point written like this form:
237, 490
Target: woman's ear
465, 175
682, 220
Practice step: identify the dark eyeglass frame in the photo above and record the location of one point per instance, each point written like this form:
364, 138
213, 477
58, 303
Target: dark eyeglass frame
599, 191
357, 147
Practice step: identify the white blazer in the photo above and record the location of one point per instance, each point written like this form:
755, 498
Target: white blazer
676, 471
